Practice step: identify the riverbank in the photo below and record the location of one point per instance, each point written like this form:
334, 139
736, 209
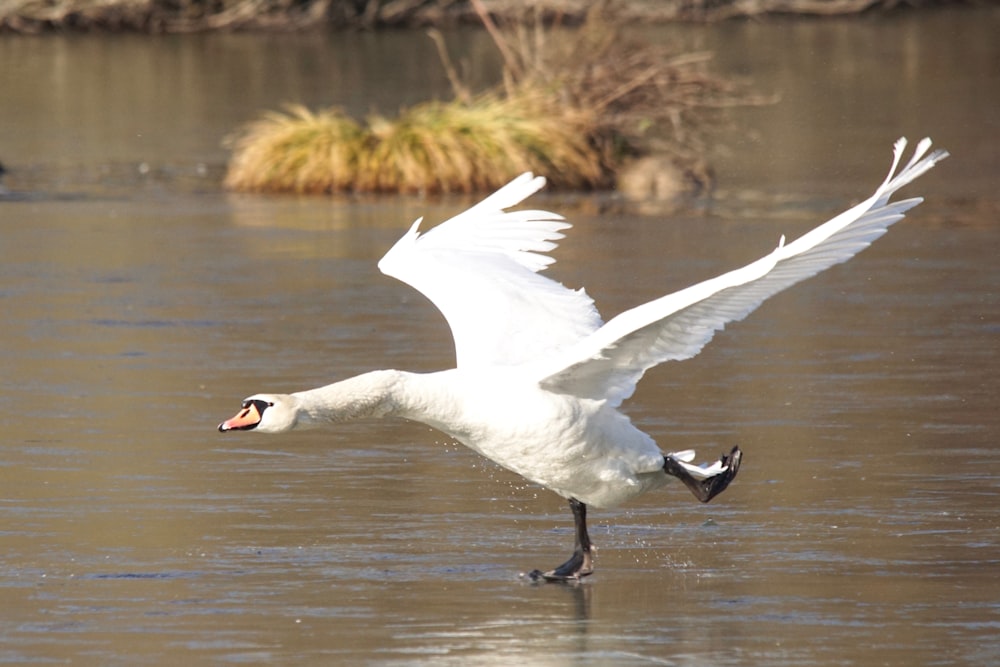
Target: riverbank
158, 16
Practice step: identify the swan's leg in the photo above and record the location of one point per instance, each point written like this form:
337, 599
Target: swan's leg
580, 564
709, 487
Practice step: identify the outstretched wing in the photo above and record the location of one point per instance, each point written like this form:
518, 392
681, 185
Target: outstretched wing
480, 269
610, 362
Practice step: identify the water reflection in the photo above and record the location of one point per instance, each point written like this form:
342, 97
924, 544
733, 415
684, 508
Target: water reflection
863, 528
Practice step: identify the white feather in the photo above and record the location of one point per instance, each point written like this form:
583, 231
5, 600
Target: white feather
608, 363
480, 269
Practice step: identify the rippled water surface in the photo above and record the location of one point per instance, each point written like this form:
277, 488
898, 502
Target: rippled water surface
140, 304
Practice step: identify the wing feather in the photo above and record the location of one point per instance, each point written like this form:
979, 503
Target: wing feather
480, 268
609, 363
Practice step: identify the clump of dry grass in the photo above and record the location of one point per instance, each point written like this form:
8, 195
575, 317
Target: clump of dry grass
572, 107
431, 147
297, 151
457, 146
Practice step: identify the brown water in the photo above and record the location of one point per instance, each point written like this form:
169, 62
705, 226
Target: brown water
140, 305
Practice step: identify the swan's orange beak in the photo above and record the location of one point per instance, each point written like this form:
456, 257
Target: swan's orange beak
246, 419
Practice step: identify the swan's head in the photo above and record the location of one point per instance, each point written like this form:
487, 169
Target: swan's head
267, 413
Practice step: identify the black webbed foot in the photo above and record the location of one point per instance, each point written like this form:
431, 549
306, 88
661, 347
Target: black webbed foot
578, 566
709, 487
581, 563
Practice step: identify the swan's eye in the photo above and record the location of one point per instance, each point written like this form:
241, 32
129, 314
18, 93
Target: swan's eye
258, 403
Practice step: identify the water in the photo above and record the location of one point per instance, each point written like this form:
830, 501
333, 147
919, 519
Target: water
140, 305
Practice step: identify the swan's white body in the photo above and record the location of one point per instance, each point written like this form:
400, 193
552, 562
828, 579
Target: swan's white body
578, 447
539, 378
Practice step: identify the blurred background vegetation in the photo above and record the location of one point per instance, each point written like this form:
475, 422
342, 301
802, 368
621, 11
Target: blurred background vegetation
576, 105
198, 15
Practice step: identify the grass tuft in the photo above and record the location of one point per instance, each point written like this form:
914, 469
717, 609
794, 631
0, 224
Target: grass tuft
297, 151
572, 106
430, 148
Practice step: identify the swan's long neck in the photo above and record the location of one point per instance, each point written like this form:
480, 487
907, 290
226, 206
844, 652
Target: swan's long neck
424, 397
371, 395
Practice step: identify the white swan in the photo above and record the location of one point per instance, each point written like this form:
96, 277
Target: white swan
539, 378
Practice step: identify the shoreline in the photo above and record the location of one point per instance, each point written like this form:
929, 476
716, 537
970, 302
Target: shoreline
166, 16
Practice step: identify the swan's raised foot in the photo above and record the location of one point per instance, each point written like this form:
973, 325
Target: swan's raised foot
578, 566
709, 487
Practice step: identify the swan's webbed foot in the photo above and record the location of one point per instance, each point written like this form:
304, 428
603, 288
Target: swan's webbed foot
706, 488
581, 563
